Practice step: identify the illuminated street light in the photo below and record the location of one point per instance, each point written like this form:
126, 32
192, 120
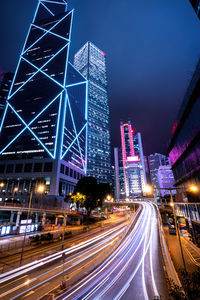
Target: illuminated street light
15, 190
1, 184
148, 189
108, 197
193, 188
41, 188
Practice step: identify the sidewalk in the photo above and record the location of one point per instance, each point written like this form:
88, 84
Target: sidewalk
175, 252
192, 250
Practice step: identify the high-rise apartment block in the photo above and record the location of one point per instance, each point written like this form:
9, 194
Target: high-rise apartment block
44, 126
133, 161
91, 62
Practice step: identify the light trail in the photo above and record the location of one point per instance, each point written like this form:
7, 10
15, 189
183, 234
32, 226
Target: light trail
108, 279
39, 263
106, 239
122, 247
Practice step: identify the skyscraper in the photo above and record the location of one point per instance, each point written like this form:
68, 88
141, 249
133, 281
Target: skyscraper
165, 180
117, 182
91, 62
155, 161
5, 83
184, 147
44, 127
133, 161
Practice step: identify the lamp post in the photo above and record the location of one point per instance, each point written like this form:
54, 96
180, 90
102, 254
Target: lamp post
1, 185
15, 190
40, 189
193, 189
177, 228
63, 254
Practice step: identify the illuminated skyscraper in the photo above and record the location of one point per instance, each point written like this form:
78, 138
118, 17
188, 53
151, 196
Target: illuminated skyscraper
155, 161
44, 127
91, 62
5, 83
133, 161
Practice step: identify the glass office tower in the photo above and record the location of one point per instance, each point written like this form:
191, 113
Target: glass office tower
91, 62
44, 127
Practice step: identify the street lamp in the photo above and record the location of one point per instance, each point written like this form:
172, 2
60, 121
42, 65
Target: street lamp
177, 227
108, 197
1, 184
193, 189
15, 190
148, 189
40, 189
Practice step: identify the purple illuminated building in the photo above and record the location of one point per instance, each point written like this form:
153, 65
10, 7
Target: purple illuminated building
165, 180
184, 147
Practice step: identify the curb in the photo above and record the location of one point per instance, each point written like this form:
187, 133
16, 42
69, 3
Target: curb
167, 261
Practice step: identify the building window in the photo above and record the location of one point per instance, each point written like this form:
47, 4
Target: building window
48, 167
71, 173
62, 169
18, 168
37, 167
2, 168
67, 171
75, 174
9, 168
28, 168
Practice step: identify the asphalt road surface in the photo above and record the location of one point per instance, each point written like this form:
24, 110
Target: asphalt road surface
35, 279
133, 271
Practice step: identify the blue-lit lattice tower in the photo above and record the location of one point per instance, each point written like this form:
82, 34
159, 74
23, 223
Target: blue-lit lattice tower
45, 118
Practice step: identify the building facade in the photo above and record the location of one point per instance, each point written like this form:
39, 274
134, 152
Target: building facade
133, 161
116, 169
5, 83
91, 62
184, 147
165, 180
44, 126
155, 161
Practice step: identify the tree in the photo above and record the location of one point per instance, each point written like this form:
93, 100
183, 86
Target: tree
78, 198
89, 193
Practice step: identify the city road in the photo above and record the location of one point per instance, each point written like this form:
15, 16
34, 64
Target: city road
133, 271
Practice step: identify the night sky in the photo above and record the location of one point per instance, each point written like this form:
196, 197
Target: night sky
152, 48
